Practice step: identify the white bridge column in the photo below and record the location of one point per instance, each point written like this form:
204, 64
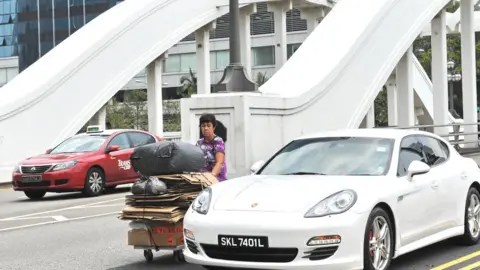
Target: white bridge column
246, 38
392, 102
370, 123
202, 38
404, 79
154, 95
312, 16
439, 73
100, 118
279, 10
469, 74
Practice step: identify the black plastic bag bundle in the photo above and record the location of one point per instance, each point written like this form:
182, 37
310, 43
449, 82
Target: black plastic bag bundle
165, 157
149, 186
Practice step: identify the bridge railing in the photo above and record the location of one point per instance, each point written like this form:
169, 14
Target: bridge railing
456, 135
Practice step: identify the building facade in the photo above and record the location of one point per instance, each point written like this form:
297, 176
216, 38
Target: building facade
31, 28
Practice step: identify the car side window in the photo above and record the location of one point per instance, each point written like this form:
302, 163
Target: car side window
139, 138
120, 140
410, 150
433, 151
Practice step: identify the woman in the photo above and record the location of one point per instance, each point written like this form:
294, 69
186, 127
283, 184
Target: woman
213, 147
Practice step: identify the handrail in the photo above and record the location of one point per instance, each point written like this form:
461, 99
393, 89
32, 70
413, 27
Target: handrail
457, 134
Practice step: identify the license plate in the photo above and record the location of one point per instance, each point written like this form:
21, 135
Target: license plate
243, 241
31, 178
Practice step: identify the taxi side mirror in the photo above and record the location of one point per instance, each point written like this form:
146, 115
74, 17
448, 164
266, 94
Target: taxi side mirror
113, 148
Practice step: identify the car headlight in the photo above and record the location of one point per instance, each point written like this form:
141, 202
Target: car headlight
16, 169
336, 203
201, 204
64, 165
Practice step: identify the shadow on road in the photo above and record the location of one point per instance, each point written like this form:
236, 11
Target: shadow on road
72, 195
160, 262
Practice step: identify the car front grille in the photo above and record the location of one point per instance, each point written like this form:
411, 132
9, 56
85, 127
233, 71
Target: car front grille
272, 255
320, 253
35, 169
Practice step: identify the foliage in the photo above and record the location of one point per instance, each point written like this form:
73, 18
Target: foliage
261, 78
381, 108
171, 116
188, 85
131, 113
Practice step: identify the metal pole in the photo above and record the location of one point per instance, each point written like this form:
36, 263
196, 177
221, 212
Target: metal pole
450, 94
234, 33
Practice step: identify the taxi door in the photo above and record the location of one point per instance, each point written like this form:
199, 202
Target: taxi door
119, 167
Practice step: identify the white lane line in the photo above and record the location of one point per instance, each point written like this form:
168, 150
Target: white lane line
55, 221
104, 205
59, 218
63, 209
26, 218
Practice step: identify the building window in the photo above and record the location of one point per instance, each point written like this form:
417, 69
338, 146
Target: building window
219, 59
180, 63
263, 56
292, 48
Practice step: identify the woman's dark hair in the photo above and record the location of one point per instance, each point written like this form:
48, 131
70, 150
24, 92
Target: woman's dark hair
208, 118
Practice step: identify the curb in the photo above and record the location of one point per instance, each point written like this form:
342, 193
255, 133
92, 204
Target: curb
5, 184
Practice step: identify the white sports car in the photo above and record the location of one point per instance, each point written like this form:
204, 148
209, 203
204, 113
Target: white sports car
351, 199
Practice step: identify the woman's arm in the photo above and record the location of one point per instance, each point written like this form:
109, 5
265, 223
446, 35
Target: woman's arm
219, 157
219, 151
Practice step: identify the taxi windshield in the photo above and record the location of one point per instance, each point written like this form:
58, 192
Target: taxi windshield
80, 144
332, 156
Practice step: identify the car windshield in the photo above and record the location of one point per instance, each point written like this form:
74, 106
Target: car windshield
332, 156
80, 144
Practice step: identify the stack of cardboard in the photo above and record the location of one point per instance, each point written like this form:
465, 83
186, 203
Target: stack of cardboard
162, 214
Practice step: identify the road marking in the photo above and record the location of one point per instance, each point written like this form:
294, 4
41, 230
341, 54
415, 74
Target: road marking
62, 209
55, 221
457, 261
25, 218
104, 205
471, 266
59, 218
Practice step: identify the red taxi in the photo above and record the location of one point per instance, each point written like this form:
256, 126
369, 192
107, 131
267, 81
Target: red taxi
89, 162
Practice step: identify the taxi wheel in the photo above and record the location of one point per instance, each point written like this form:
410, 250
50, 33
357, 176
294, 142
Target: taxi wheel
94, 182
35, 194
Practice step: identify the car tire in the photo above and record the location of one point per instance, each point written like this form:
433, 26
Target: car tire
94, 182
471, 234
375, 244
35, 194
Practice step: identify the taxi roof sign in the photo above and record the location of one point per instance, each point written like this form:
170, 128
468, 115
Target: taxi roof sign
94, 129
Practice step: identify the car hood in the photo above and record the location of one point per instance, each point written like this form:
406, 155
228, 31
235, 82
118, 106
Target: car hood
54, 158
292, 193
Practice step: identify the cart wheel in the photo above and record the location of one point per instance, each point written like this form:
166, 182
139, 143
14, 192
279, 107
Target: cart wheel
178, 256
148, 254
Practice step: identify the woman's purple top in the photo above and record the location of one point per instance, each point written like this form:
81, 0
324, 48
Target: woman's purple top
210, 149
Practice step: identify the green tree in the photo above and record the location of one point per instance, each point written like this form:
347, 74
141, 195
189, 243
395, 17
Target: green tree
131, 113
261, 78
188, 85
171, 116
381, 108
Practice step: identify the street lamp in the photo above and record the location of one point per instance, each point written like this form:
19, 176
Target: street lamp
452, 77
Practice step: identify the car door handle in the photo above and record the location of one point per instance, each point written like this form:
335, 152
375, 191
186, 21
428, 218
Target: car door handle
464, 176
434, 185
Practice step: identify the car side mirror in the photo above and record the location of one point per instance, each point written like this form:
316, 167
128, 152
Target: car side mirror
417, 168
256, 166
113, 148
48, 151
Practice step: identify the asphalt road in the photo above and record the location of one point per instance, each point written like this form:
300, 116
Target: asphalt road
68, 231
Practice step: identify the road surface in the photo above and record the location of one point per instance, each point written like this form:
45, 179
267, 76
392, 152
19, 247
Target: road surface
67, 231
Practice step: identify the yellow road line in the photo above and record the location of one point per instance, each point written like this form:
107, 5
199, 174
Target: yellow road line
471, 266
457, 261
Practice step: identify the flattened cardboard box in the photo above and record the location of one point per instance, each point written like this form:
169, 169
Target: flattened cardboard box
161, 235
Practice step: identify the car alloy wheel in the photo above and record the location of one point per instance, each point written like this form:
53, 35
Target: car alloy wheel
380, 243
473, 215
95, 181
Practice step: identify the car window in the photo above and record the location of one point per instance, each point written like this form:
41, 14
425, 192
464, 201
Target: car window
120, 140
432, 150
80, 144
333, 156
410, 150
139, 138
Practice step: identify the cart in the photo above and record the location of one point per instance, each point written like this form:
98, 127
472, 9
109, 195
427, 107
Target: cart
148, 252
